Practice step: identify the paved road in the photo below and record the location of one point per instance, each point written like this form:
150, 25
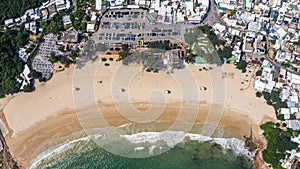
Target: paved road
213, 16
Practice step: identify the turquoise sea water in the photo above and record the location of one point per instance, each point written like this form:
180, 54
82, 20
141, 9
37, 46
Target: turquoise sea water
185, 155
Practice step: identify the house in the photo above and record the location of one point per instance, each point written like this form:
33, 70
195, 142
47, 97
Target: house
67, 20
249, 39
9, 22
98, 5
22, 54
285, 93
281, 33
33, 27
293, 157
254, 26
25, 77
91, 26
62, 4
293, 124
285, 112
44, 13
68, 37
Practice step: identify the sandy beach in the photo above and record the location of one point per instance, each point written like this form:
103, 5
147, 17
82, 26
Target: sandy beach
50, 112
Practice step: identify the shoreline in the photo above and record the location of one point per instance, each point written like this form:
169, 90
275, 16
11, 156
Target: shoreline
33, 118
149, 137
40, 135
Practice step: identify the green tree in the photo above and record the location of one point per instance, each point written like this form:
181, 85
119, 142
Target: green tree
125, 51
54, 25
53, 57
278, 142
74, 54
258, 94
101, 47
10, 64
266, 95
258, 73
225, 53
61, 48
242, 65
16, 8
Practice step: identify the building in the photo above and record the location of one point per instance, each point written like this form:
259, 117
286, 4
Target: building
91, 26
68, 37
9, 22
67, 20
98, 5
62, 4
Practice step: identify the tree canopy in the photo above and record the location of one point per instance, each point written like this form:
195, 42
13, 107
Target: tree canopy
16, 8
54, 25
159, 45
10, 64
242, 65
278, 142
79, 20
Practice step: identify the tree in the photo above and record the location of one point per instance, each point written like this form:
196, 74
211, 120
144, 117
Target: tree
280, 117
101, 47
34, 74
54, 25
159, 45
242, 65
61, 48
258, 94
16, 8
64, 60
125, 51
278, 142
53, 58
189, 58
10, 64
225, 53
258, 73
78, 20
74, 54
266, 95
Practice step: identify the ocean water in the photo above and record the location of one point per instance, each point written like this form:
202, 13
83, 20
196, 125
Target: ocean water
158, 149
190, 155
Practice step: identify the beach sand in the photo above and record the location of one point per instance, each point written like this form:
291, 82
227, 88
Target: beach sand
49, 112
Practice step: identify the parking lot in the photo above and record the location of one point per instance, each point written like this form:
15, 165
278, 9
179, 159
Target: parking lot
123, 26
127, 14
130, 26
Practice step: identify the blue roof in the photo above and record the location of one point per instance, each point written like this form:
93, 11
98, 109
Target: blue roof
274, 37
291, 104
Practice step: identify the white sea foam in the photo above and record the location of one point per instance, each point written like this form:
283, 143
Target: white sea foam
58, 149
151, 149
171, 138
139, 148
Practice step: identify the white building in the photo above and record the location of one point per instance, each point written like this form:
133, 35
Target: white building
98, 5
67, 20
62, 4
9, 22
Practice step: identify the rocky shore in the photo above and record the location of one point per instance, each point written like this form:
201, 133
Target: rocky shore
7, 160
